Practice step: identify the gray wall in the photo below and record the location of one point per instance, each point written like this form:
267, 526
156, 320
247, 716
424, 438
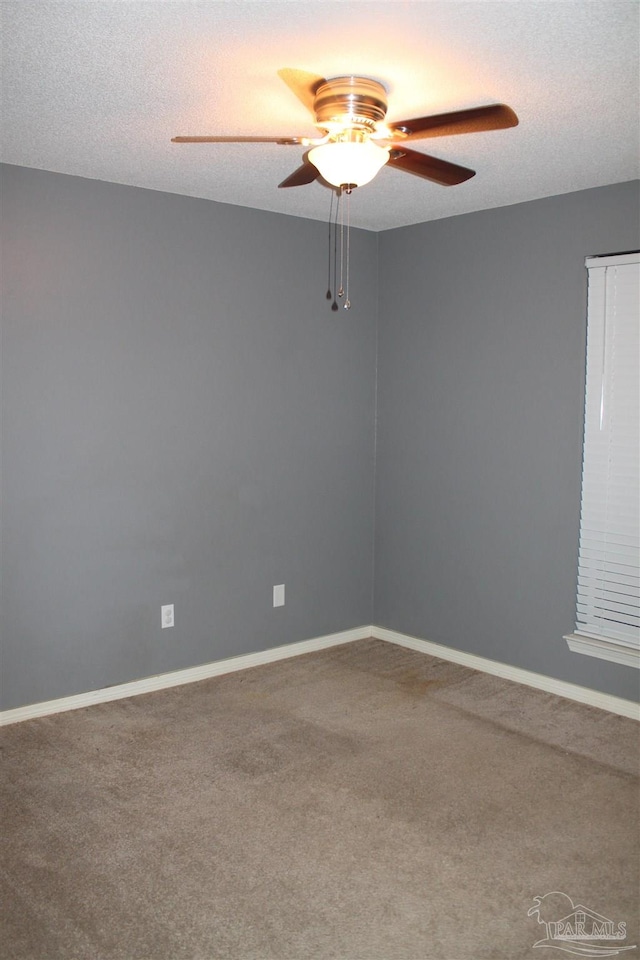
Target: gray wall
480, 405
184, 421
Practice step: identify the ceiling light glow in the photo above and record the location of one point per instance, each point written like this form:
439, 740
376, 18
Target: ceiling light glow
348, 162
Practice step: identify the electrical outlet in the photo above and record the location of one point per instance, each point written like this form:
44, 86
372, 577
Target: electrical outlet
167, 615
278, 595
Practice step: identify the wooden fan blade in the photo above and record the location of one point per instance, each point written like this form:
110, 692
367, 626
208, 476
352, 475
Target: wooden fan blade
440, 171
283, 140
497, 116
303, 84
307, 173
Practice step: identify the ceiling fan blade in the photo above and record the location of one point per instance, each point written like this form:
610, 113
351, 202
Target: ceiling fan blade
303, 84
440, 171
283, 140
497, 116
307, 173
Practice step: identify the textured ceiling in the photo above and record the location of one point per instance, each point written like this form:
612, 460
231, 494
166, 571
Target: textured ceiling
97, 89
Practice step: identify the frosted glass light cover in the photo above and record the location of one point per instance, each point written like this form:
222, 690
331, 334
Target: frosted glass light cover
353, 163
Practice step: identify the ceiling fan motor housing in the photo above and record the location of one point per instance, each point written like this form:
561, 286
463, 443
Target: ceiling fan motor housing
350, 102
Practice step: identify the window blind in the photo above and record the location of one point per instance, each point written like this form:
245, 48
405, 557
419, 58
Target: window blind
608, 605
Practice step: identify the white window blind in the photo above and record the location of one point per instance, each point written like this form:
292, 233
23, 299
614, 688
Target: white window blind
608, 605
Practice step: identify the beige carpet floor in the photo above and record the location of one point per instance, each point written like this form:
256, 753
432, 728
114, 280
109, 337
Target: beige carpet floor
359, 803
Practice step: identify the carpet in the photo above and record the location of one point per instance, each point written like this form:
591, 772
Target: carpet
365, 802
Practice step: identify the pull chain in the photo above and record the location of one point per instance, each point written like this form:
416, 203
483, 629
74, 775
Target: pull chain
329, 294
347, 302
341, 287
334, 305
342, 291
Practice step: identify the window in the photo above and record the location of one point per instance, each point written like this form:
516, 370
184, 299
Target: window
608, 606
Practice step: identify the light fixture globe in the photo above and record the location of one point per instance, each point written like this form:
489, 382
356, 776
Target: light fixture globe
349, 162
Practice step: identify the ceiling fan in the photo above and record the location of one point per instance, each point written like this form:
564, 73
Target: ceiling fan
357, 141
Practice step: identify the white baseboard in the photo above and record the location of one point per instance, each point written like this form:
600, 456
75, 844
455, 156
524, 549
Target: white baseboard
603, 701
571, 691
162, 681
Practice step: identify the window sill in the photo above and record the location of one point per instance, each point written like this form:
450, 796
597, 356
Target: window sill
604, 649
